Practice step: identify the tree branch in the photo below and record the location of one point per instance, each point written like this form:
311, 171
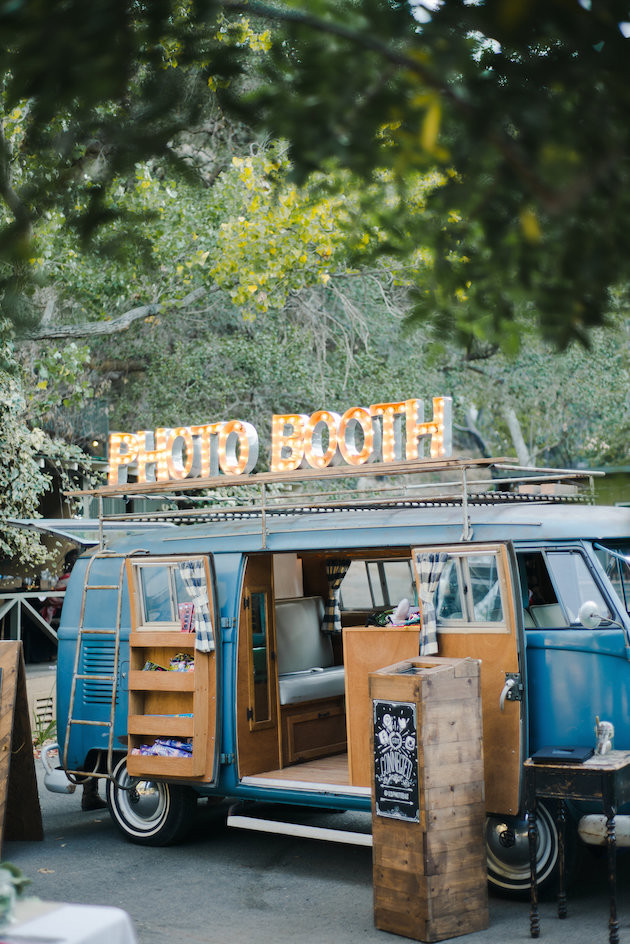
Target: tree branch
554, 200
18, 209
115, 326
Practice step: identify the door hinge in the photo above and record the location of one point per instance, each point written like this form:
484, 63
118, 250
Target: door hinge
246, 603
250, 714
226, 758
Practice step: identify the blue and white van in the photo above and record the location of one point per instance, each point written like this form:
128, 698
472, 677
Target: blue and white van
269, 698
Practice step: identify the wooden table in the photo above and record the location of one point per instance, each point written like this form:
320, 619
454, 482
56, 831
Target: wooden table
604, 778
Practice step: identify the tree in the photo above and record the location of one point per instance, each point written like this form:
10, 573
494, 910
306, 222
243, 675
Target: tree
522, 106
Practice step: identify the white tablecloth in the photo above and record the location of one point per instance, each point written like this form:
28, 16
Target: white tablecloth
69, 924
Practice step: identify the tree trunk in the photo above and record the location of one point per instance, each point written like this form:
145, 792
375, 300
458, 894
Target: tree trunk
516, 434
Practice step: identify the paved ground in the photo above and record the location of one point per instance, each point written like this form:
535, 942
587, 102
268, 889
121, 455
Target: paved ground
234, 886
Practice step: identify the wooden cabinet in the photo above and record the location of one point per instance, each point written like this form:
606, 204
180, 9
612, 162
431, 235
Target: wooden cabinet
366, 649
313, 729
168, 704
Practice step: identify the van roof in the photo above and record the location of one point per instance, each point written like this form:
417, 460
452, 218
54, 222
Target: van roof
400, 524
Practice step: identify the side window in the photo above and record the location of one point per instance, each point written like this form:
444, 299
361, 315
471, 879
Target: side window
162, 586
555, 584
465, 587
575, 583
377, 584
616, 563
156, 599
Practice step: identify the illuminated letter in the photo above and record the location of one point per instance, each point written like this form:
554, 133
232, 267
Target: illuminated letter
119, 462
287, 441
174, 463
206, 461
313, 444
152, 452
392, 429
358, 417
243, 434
439, 429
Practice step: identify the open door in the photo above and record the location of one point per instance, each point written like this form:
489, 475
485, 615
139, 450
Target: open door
473, 591
257, 684
173, 720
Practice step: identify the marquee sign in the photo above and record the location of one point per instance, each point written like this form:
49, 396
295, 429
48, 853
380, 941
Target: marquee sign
383, 432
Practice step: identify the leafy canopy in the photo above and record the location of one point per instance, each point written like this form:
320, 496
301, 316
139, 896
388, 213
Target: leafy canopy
522, 106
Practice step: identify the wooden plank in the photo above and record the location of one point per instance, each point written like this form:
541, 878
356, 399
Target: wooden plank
440, 754
140, 681
20, 812
160, 725
444, 776
473, 854
162, 638
167, 768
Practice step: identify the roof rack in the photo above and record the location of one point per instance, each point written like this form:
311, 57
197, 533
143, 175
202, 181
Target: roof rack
283, 493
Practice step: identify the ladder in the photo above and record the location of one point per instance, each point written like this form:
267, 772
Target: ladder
76, 776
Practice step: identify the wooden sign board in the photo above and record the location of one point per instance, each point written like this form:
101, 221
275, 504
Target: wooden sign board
20, 812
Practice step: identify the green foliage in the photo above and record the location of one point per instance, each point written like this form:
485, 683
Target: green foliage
521, 106
43, 731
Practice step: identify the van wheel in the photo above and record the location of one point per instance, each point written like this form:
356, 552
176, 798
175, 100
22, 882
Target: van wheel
507, 847
149, 812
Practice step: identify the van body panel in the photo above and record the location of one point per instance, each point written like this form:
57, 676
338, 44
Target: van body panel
568, 675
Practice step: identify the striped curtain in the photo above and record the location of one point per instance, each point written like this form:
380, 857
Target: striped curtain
193, 574
429, 568
336, 570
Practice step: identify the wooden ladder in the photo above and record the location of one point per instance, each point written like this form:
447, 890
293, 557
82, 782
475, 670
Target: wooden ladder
85, 676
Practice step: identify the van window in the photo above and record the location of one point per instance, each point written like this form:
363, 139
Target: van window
616, 563
469, 591
161, 589
575, 583
377, 584
555, 584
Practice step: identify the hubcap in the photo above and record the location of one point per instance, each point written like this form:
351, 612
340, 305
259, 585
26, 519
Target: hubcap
144, 806
507, 845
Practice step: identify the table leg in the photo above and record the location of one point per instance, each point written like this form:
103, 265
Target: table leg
561, 821
532, 835
611, 847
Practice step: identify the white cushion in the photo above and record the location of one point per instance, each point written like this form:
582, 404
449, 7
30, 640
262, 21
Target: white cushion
300, 644
306, 686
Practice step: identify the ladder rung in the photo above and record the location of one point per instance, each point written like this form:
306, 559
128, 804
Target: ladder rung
96, 678
100, 724
105, 586
106, 632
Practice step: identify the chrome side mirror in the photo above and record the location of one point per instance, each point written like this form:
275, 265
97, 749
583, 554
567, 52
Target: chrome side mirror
589, 615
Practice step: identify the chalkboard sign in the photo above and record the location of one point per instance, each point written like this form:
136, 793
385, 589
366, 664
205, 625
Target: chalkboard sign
396, 760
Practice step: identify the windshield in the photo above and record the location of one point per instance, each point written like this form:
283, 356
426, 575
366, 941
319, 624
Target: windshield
615, 559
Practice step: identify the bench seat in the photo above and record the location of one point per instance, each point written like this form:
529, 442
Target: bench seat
305, 654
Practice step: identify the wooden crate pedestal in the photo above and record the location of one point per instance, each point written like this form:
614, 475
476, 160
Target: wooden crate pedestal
428, 811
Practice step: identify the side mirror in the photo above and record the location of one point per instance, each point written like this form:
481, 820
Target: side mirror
589, 615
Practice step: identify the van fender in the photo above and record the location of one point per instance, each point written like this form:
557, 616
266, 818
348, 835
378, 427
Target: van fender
592, 830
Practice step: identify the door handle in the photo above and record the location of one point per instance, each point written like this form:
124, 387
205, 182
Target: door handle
512, 690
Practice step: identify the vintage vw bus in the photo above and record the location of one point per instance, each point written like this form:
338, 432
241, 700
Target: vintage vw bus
269, 699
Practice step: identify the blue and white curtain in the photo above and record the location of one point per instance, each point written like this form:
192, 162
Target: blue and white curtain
336, 570
429, 568
193, 574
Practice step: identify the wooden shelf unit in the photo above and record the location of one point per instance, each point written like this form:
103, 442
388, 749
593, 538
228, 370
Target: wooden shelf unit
157, 698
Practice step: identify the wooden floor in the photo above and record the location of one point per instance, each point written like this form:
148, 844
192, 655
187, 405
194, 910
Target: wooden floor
325, 770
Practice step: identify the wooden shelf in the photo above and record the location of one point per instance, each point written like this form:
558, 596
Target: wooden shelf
139, 765
151, 681
160, 725
167, 637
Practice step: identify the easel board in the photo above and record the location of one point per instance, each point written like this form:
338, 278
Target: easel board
20, 812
